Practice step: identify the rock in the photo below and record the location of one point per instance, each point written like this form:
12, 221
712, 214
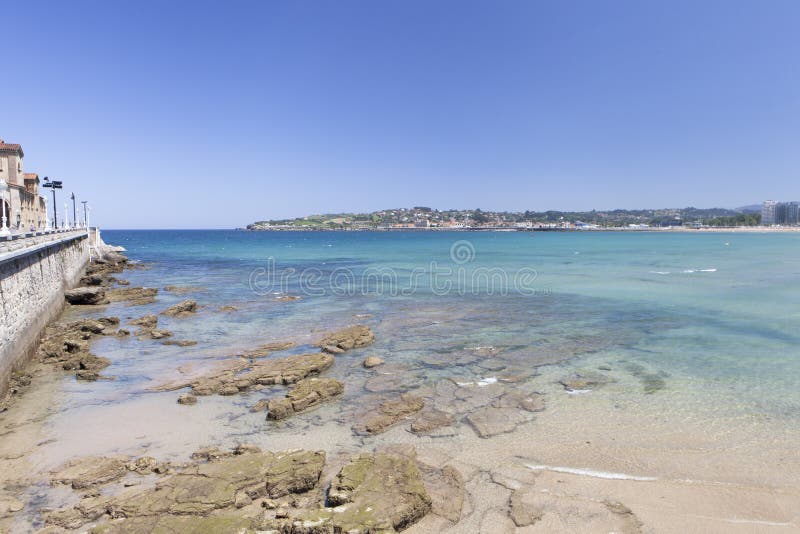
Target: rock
182, 290
89, 376
377, 492
122, 332
505, 414
159, 334
10, 505
67, 345
393, 377
260, 406
372, 361
90, 471
431, 423
143, 465
287, 298
228, 308
271, 371
346, 339
585, 380
529, 506
148, 322
306, 394
389, 413
86, 295
246, 448
209, 454
446, 489
135, 296
180, 342
181, 309
187, 399
267, 349
94, 280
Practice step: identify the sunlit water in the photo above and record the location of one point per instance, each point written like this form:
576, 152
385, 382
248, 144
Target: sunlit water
711, 319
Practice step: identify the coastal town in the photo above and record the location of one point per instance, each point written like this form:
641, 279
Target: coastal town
425, 218
23, 209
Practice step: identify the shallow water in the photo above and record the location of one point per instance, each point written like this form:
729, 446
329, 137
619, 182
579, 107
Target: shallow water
704, 326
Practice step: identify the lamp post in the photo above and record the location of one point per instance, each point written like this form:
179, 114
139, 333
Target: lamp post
55, 184
85, 216
74, 213
47, 226
4, 231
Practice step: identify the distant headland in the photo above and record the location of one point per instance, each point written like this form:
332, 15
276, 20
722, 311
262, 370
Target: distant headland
424, 218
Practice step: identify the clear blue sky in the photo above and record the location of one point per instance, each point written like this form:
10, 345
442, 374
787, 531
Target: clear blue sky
169, 114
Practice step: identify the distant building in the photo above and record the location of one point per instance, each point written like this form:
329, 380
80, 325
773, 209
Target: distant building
773, 212
792, 213
769, 213
25, 209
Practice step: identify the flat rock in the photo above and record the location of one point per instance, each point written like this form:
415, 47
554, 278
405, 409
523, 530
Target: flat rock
86, 472
182, 290
86, 295
372, 361
346, 339
265, 350
182, 309
307, 393
199, 490
505, 414
446, 489
433, 423
135, 296
585, 380
146, 321
240, 375
388, 414
373, 493
67, 344
529, 506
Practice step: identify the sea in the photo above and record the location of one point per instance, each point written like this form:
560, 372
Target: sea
697, 333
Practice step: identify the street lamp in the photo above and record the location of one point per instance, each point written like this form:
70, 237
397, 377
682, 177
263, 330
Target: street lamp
55, 184
4, 231
74, 213
85, 216
47, 227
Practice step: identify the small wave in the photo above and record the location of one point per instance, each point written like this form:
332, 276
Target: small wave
659, 272
708, 270
590, 473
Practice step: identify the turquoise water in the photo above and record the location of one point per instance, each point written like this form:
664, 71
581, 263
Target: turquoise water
699, 333
708, 310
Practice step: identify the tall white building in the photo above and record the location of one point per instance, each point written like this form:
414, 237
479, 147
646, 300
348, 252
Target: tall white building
769, 212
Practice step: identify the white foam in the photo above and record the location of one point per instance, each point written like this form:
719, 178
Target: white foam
590, 473
708, 270
659, 272
480, 383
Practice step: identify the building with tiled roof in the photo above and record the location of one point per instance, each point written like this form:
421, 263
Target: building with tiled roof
25, 208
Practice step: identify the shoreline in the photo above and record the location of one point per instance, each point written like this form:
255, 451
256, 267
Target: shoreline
665, 230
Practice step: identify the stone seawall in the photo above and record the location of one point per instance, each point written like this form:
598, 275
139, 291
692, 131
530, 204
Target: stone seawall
34, 273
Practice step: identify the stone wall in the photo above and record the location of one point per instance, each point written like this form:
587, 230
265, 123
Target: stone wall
33, 278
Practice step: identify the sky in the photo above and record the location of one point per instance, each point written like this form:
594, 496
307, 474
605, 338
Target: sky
217, 114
